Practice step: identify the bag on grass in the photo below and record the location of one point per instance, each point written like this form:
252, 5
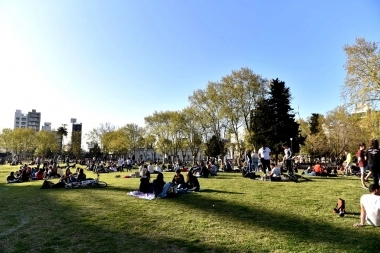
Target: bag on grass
47, 184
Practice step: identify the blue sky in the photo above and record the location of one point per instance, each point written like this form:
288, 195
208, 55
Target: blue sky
119, 61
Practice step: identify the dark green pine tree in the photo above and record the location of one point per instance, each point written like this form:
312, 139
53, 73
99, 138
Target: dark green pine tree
314, 123
214, 147
273, 122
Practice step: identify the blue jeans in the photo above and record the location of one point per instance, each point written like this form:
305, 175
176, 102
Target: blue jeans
255, 163
164, 190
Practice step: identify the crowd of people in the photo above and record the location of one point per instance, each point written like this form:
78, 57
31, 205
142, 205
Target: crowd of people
367, 159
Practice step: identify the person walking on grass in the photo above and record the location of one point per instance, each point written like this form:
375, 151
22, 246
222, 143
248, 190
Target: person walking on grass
362, 162
347, 168
264, 154
373, 157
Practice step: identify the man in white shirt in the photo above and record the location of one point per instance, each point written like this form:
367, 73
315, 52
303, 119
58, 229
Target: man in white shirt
370, 207
129, 164
287, 161
120, 164
264, 154
150, 168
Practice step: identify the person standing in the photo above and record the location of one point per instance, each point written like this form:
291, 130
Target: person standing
264, 154
362, 162
255, 161
373, 157
288, 154
347, 167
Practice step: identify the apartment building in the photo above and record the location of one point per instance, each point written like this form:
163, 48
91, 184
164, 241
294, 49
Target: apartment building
30, 120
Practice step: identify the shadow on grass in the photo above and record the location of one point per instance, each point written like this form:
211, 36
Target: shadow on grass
219, 191
126, 239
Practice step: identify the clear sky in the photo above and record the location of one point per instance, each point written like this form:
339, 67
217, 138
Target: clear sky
119, 61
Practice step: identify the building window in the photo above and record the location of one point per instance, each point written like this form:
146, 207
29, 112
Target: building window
23, 123
23, 119
17, 118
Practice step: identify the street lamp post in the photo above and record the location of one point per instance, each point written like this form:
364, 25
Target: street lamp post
291, 150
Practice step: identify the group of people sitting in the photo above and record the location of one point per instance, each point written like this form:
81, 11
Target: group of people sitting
26, 173
160, 188
320, 170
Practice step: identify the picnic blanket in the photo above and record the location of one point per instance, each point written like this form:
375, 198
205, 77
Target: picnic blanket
141, 195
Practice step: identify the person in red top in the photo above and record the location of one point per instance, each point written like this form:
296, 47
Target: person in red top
362, 163
318, 169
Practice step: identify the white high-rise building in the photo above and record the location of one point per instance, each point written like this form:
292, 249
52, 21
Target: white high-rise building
30, 120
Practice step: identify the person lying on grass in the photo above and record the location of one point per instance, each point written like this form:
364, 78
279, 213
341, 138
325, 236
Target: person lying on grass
370, 207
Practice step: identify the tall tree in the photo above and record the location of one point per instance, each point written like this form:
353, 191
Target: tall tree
62, 131
274, 122
45, 142
314, 123
241, 90
362, 85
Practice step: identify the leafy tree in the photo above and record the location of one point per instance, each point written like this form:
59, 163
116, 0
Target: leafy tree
45, 142
343, 130
192, 130
95, 135
211, 116
362, 85
133, 137
241, 91
273, 122
160, 125
76, 142
6, 139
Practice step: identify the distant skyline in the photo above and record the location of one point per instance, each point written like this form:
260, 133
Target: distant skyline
119, 61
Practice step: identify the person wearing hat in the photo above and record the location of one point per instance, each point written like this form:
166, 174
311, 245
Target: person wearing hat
362, 162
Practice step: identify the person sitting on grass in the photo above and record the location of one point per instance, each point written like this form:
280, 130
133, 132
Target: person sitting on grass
275, 173
178, 179
317, 170
39, 175
370, 207
12, 179
160, 187
158, 169
192, 183
150, 168
81, 176
145, 184
67, 177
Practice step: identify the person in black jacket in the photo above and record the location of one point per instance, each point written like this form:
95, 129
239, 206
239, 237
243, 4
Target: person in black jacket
178, 179
373, 156
192, 182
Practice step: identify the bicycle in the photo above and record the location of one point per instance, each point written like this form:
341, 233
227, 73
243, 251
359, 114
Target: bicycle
95, 183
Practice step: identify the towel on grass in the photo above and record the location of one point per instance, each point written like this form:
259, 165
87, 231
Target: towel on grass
141, 195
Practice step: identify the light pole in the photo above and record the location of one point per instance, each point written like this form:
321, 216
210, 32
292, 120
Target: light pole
291, 150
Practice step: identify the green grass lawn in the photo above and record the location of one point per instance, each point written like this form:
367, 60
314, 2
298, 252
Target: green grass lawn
231, 214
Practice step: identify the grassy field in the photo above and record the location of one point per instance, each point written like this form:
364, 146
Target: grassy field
231, 214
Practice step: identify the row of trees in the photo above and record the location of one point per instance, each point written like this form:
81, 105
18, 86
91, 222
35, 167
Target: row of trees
243, 110
225, 115
27, 141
